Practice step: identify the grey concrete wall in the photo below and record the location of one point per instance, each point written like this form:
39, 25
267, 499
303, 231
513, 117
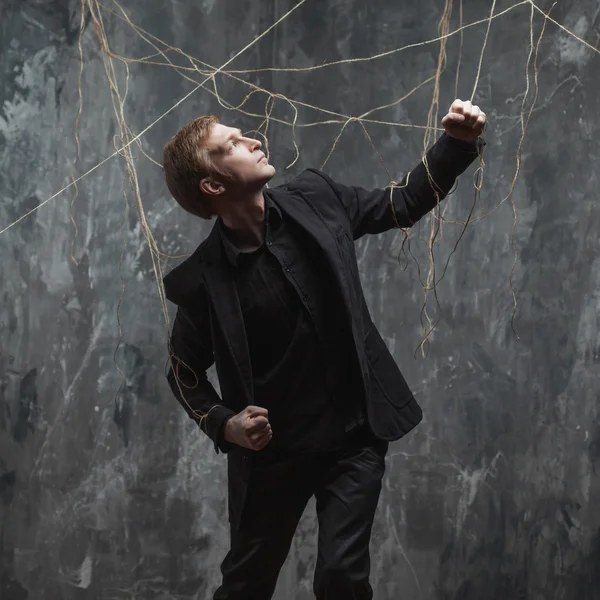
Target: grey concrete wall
113, 494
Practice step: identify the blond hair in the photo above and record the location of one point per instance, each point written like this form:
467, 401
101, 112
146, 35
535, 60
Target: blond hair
186, 161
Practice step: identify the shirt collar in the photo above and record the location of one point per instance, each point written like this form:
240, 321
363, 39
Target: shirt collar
273, 216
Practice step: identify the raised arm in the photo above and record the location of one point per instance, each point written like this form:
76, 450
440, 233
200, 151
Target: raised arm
427, 184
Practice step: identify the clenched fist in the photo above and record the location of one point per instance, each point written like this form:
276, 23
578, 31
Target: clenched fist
249, 428
464, 121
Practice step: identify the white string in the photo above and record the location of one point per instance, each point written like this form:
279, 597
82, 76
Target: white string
139, 135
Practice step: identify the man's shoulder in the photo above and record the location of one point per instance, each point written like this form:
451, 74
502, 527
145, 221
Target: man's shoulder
183, 281
310, 178
312, 183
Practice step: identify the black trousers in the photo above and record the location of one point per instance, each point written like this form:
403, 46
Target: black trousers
346, 484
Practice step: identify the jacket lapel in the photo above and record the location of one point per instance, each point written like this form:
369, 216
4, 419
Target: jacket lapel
300, 209
226, 305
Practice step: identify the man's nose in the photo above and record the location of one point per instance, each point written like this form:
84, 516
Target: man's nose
256, 145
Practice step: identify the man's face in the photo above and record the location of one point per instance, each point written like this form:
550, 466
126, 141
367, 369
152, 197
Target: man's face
241, 158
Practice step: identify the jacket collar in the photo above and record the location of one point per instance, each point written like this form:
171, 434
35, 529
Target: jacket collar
293, 204
273, 215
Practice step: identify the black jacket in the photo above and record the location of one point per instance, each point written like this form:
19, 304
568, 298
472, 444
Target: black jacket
208, 326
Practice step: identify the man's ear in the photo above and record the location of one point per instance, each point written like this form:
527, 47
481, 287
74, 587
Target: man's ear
211, 187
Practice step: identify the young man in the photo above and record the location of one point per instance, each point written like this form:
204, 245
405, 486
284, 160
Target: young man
310, 395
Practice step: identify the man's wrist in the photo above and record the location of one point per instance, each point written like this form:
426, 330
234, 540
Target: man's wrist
475, 146
214, 425
227, 431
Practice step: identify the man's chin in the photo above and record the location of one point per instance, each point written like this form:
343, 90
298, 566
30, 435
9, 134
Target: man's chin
269, 173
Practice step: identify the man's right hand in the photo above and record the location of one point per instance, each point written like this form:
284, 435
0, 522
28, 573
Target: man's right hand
249, 428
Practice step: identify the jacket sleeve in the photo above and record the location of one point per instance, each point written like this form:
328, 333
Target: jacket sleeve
379, 210
191, 354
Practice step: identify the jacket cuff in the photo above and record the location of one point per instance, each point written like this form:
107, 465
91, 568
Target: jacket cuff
215, 422
468, 147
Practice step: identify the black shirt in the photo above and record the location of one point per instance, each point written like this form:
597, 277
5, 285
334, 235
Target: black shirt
291, 374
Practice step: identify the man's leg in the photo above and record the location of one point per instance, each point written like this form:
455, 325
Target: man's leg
277, 496
347, 498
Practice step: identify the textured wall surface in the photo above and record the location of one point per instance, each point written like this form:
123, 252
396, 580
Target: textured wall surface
106, 489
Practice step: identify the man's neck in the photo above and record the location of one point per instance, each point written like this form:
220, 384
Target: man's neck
244, 220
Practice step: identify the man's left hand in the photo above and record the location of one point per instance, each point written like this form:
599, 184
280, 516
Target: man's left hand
464, 121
